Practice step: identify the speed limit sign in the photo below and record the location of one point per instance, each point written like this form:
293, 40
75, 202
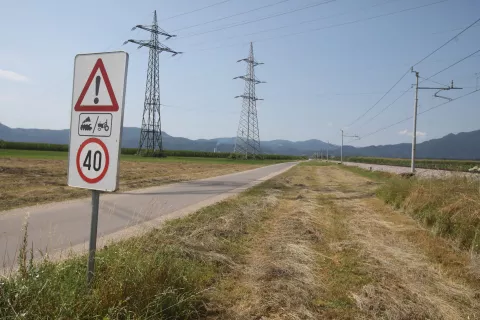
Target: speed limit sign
92, 160
97, 120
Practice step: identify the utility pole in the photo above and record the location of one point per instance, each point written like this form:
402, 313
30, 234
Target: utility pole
414, 133
151, 131
248, 138
476, 80
328, 147
341, 148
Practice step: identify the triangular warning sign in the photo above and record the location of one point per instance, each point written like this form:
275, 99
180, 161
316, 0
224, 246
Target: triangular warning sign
107, 100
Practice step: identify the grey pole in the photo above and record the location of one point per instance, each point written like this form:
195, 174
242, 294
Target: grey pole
328, 147
93, 236
414, 133
341, 149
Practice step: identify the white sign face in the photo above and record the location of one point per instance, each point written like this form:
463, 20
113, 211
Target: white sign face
98, 98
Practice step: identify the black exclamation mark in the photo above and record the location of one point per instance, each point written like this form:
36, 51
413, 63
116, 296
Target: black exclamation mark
97, 87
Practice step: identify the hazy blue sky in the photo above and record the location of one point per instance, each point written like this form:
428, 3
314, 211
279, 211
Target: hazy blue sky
317, 81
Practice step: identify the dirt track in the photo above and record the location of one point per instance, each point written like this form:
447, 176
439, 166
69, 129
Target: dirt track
331, 250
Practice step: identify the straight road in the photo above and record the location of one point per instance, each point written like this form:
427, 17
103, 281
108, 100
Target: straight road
58, 227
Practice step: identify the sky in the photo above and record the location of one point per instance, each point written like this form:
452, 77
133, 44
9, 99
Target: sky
326, 63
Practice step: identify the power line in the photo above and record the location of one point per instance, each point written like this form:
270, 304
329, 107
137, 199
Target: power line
451, 30
427, 110
357, 21
376, 103
437, 106
196, 10
423, 59
453, 38
233, 15
326, 27
308, 21
260, 19
465, 58
425, 79
384, 109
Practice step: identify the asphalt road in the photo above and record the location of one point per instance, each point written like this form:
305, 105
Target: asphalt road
63, 226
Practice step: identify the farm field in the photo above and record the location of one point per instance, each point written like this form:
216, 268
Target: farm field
452, 165
36, 177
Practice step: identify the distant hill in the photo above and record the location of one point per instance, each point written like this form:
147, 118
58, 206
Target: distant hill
461, 146
130, 137
465, 145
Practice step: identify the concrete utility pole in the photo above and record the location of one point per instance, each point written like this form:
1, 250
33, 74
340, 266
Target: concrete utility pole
414, 133
341, 148
328, 147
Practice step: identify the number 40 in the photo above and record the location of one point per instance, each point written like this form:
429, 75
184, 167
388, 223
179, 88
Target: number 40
97, 160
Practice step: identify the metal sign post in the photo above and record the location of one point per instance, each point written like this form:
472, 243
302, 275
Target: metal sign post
93, 236
98, 98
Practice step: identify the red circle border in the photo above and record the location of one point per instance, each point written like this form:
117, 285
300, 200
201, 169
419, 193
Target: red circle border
107, 160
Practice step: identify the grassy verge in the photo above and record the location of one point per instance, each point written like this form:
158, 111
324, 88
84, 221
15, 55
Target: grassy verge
449, 207
164, 274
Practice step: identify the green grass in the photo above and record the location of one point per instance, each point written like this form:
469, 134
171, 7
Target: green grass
164, 274
59, 155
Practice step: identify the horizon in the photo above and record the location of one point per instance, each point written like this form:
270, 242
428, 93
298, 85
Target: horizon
269, 140
324, 67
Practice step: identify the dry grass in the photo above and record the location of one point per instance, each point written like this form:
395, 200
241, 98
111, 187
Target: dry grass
313, 243
278, 278
164, 274
450, 207
25, 182
413, 274
331, 250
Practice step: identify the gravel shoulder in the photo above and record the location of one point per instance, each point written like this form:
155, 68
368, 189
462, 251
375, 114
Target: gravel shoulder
424, 173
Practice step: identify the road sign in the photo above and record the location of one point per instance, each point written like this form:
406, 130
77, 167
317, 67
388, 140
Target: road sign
97, 120
96, 99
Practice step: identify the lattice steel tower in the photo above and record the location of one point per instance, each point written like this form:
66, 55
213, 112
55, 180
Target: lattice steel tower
248, 138
151, 131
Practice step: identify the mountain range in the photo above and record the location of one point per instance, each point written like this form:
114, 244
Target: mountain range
463, 145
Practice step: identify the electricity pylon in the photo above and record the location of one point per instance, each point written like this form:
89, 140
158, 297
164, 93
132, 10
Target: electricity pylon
247, 143
151, 131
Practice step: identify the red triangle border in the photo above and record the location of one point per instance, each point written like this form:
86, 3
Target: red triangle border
94, 108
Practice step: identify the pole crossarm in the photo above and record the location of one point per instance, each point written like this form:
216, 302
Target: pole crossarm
248, 97
248, 60
156, 30
246, 78
158, 47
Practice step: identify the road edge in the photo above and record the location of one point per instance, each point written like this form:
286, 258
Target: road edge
144, 227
